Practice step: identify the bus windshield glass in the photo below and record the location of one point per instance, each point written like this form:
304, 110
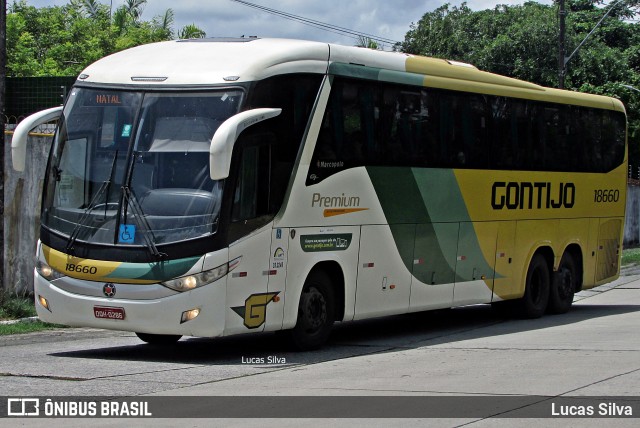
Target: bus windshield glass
132, 168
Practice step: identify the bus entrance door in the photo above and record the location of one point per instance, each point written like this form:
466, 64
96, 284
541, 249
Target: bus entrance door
247, 295
277, 274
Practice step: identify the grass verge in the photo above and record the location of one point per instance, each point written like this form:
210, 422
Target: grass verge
26, 327
630, 256
15, 307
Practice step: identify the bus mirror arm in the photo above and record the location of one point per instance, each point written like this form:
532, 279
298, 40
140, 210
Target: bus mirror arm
21, 134
226, 135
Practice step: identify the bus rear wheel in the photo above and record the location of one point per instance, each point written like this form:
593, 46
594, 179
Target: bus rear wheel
536, 294
158, 339
316, 313
565, 283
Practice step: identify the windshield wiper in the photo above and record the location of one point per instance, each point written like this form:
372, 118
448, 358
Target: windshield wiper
92, 204
147, 233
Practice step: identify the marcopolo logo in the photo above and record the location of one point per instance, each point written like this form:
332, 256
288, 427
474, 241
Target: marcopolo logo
109, 290
537, 195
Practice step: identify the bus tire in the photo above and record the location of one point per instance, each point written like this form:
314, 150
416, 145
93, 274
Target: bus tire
158, 339
565, 282
316, 313
536, 294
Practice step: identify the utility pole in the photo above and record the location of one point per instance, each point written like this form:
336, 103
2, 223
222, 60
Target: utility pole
562, 14
564, 60
3, 75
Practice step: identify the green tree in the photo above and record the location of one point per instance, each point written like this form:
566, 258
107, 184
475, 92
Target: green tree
21, 48
191, 31
164, 25
134, 9
522, 41
54, 40
63, 40
366, 42
92, 8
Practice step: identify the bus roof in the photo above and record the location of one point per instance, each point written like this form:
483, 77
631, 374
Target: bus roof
204, 62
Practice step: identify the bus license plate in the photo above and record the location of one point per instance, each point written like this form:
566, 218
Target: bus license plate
108, 312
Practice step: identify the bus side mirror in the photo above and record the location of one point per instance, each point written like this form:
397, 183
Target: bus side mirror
226, 135
21, 133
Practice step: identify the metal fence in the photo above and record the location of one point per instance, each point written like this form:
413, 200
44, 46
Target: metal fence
26, 95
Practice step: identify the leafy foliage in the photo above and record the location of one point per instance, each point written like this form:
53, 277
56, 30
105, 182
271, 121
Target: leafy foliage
63, 40
14, 306
521, 41
366, 42
191, 31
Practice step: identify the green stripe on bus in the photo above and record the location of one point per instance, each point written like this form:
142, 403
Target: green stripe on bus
401, 78
355, 71
374, 73
425, 221
160, 271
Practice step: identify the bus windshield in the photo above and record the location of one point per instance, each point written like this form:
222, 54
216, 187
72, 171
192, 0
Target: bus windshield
132, 168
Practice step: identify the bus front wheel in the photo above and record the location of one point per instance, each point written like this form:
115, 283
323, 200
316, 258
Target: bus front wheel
316, 313
158, 339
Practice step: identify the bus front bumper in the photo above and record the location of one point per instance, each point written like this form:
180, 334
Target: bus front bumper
157, 316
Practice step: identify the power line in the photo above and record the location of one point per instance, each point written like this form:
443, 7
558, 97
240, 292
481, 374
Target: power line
319, 24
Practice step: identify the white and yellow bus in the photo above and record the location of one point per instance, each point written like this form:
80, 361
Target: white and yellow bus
226, 186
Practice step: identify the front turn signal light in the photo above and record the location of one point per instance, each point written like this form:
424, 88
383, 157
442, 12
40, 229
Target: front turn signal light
189, 315
44, 303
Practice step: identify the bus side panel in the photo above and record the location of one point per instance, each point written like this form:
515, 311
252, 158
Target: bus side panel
475, 262
506, 276
384, 282
531, 235
434, 266
591, 254
608, 258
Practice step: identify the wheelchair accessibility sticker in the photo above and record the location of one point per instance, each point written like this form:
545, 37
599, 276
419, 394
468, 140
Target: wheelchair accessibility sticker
127, 233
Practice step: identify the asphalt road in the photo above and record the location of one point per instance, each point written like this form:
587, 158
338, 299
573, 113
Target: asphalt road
591, 351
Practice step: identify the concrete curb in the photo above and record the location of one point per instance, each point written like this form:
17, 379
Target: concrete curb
9, 322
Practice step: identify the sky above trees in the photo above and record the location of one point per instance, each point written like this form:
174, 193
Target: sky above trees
226, 18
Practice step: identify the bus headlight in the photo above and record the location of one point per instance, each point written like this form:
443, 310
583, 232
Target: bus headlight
190, 282
47, 271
